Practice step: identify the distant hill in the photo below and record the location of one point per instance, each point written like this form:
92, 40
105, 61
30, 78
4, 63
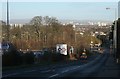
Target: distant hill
85, 21
19, 21
24, 21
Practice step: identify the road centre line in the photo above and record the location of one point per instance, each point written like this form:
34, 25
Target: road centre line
30, 71
65, 71
10, 74
53, 75
46, 71
18, 73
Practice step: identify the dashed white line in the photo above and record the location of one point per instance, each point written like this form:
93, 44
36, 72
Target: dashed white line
18, 73
74, 68
10, 74
65, 71
70, 69
30, 71
45, 71
53, 75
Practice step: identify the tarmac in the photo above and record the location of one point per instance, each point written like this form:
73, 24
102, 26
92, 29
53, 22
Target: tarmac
110, 69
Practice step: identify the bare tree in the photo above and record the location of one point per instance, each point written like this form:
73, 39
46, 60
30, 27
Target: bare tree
37, 22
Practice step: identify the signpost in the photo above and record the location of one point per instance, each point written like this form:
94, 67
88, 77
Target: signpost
61, 48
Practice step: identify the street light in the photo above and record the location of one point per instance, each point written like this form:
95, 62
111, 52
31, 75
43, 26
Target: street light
115, 33
8, 35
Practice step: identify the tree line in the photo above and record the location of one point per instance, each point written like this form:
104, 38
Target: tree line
44, 32
41, 32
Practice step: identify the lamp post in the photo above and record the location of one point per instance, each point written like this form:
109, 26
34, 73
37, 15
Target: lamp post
8, 35
114, 33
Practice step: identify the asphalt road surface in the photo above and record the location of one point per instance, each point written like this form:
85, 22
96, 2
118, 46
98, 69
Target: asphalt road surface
75, 69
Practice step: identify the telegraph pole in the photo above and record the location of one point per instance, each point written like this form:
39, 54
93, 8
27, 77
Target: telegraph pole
115, 35
8, 27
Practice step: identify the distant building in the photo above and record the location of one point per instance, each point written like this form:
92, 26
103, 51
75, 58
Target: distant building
15, 25
101, 24
102, 33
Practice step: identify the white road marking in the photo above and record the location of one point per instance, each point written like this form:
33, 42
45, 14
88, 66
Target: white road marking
79, 66
46, 71
74, 68
70, 69
10, 74
65, 71
30, 71
53, 75
18, 73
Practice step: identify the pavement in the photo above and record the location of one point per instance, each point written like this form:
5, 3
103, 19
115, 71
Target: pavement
110, 68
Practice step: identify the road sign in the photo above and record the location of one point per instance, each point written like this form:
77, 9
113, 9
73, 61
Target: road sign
61, 48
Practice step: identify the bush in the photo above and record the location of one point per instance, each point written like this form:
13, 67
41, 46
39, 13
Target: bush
11, 58
57, 57
28, 58
49, 56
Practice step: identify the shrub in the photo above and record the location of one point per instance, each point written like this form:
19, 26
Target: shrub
28, 58
11, 58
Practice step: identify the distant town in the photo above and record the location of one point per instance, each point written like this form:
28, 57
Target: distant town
21, 22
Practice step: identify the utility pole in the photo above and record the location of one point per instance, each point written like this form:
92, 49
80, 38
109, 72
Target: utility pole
115, 34
8, 35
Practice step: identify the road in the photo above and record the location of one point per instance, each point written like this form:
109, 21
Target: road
74, 69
